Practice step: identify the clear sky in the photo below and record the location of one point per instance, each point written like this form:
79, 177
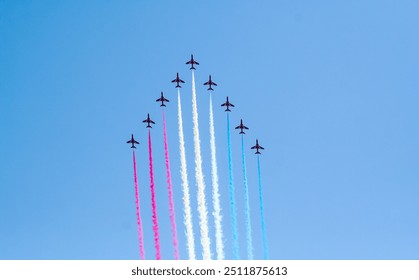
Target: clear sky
330, 90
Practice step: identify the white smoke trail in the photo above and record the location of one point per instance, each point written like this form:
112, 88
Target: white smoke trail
187, 214
202, 207
215, 193
247, 207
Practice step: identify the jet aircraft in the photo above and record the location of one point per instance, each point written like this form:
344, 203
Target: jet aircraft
192, 62
162, 100
178, 80
133, 142
210, 83
257, 147
148, 121
241, 127
227, 104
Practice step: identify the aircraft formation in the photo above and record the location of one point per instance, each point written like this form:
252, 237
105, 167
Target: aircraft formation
202, 211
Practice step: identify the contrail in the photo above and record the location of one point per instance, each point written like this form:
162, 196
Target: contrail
262, 216
247, 207
215, 192
232, 195
202, 207
170, 190
137, 204
153, 201
187, 213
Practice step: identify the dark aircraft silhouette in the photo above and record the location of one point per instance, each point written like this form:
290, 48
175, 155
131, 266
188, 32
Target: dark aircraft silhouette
241, 127
162, 100
133, 142
177, 80
210, 83
257, 147
192, 62
148, 121
228, 104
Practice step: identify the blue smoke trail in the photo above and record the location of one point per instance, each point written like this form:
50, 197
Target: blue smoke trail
232, 195
247, 207
262, 216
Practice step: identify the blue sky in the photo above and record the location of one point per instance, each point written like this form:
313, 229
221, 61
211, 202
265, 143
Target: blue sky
330, 89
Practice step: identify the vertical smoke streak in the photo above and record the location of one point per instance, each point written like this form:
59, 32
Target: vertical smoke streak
262, 215
187, 213
170, 191
215, 192
137, 204
247, 207
153, 201
202, 207
232, 195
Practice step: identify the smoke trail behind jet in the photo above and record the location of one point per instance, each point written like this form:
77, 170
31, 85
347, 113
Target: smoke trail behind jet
187, 213
247, 207
153, 200
202, 207
137, 204
215, 192
232, 195
262, 215
170, 191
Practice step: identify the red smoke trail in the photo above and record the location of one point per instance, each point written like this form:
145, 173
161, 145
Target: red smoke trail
170, 190
153, 201
137, 204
